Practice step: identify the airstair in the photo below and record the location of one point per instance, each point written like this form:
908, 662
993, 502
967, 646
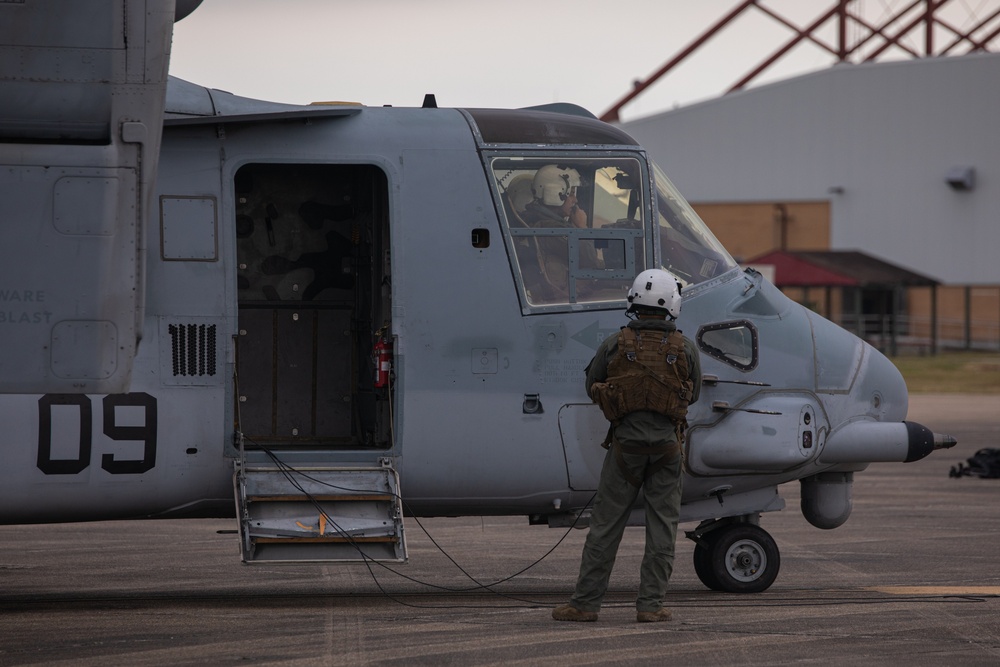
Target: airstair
314, 512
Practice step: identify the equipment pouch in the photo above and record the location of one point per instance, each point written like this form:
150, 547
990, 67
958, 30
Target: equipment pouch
611, 400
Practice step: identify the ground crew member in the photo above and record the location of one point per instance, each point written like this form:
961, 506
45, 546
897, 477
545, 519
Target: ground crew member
643, 379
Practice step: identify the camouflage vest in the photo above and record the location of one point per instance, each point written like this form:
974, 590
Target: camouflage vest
650, 371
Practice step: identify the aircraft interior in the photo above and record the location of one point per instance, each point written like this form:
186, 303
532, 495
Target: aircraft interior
310, 272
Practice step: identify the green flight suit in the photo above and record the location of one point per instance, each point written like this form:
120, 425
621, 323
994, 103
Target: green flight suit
616, 496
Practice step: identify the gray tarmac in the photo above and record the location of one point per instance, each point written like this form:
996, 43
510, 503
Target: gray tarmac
912, 578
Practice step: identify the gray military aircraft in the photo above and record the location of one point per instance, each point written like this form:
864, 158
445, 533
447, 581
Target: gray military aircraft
325, 317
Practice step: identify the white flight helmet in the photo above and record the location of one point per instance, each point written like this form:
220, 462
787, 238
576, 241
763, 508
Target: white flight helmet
655, 289
552, 183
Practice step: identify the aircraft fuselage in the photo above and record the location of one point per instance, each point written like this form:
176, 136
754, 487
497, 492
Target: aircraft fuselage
282, 247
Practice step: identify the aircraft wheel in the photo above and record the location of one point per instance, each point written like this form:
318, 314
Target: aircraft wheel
743, 559
703, 562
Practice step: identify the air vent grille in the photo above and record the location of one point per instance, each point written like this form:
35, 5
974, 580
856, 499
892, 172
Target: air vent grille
193, 349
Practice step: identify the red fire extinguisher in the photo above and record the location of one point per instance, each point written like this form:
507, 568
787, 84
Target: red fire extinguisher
383, 360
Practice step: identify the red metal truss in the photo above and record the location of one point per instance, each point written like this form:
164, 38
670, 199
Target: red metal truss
877, 38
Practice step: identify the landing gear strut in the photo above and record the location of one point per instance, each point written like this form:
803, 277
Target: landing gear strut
735, 555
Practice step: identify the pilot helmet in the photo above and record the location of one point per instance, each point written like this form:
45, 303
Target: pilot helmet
552, 183
655, 291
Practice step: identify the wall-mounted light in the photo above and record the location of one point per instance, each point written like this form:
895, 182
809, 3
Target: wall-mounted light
961, 179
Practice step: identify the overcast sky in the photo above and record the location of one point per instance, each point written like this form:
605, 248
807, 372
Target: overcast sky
474, 53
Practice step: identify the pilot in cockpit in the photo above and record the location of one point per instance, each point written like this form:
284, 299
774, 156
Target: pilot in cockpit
555, 205
555, 202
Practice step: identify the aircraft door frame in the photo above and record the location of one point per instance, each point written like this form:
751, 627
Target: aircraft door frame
311, 278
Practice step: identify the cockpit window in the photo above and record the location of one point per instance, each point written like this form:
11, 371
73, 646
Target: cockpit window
688, 248
575, 225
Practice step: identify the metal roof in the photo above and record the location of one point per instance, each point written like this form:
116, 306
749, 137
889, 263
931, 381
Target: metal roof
837, 268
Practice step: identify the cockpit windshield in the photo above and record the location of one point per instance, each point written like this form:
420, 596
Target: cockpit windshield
688, 248
579, 232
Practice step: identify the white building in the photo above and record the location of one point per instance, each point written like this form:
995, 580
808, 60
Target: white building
907, 155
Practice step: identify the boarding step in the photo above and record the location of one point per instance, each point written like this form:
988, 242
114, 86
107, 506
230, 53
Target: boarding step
317, 513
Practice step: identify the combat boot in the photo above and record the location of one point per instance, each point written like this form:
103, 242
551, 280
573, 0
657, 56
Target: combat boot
658, 616
568, 612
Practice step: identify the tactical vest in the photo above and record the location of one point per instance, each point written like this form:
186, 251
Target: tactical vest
650, 371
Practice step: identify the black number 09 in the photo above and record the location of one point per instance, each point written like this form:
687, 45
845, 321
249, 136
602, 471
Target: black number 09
145, 433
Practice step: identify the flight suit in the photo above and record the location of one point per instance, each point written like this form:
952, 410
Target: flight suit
616, 494
554, 250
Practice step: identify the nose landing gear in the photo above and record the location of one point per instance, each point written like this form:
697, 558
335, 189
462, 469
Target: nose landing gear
735, 555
